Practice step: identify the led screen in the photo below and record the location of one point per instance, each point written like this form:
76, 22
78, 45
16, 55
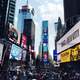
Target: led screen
45, 48
24, 40
16, 52
45, 57
45, 40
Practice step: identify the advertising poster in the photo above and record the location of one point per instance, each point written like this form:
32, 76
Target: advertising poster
55, 55
16, 52
65, 56
45, 57
75, 53
45, 48
24, 40
72, 54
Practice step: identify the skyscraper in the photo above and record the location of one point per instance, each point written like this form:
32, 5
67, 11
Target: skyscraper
45, 40
7, 11
24, 13
71, 12
26, 26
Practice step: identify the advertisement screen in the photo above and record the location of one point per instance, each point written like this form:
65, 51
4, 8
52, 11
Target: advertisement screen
65, 56
1, 51
72, 54
45, 40
16, 52
45, 36
75, 53
45, 48
55, 55
45, 30
45, 57
24, 40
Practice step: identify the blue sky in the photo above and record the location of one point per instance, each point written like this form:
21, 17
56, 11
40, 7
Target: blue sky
44, 10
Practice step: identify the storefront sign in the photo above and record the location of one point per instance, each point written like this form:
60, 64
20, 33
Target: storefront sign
72, 54
71, 38
65, 56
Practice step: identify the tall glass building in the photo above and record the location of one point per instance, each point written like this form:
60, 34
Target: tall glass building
24, 13
26, 26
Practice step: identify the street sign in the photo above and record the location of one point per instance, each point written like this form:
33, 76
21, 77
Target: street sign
55, 55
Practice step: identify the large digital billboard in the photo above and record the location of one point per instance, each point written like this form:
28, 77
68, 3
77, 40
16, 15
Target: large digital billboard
1, 51
24, 41
45, 56
45, 24
16, 52
65, 56
45, 48
71, 54
45, 41
55, 55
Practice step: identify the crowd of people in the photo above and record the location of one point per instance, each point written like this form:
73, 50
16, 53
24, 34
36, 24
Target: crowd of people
41, 73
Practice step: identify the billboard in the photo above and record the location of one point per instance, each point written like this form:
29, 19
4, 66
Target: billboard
55, 55
13, 34
45, 48
45, 56
65, 56
1, 51
45, 38
72, 54
45, 41
24, 41
45, 30
75, 53
16, 52
71, 38
45, 24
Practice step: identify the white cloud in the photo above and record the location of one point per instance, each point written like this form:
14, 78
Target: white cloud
51, 11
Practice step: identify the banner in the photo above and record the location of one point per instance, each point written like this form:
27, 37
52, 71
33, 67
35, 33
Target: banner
65, 56
72, 54
75, 53
55, 55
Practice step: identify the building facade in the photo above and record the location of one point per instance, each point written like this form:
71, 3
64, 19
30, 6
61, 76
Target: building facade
68, 46
26, 26
71, 13
7, 12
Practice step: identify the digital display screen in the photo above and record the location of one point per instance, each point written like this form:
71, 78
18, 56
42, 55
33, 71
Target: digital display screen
24, 40
45, 48
16, 52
